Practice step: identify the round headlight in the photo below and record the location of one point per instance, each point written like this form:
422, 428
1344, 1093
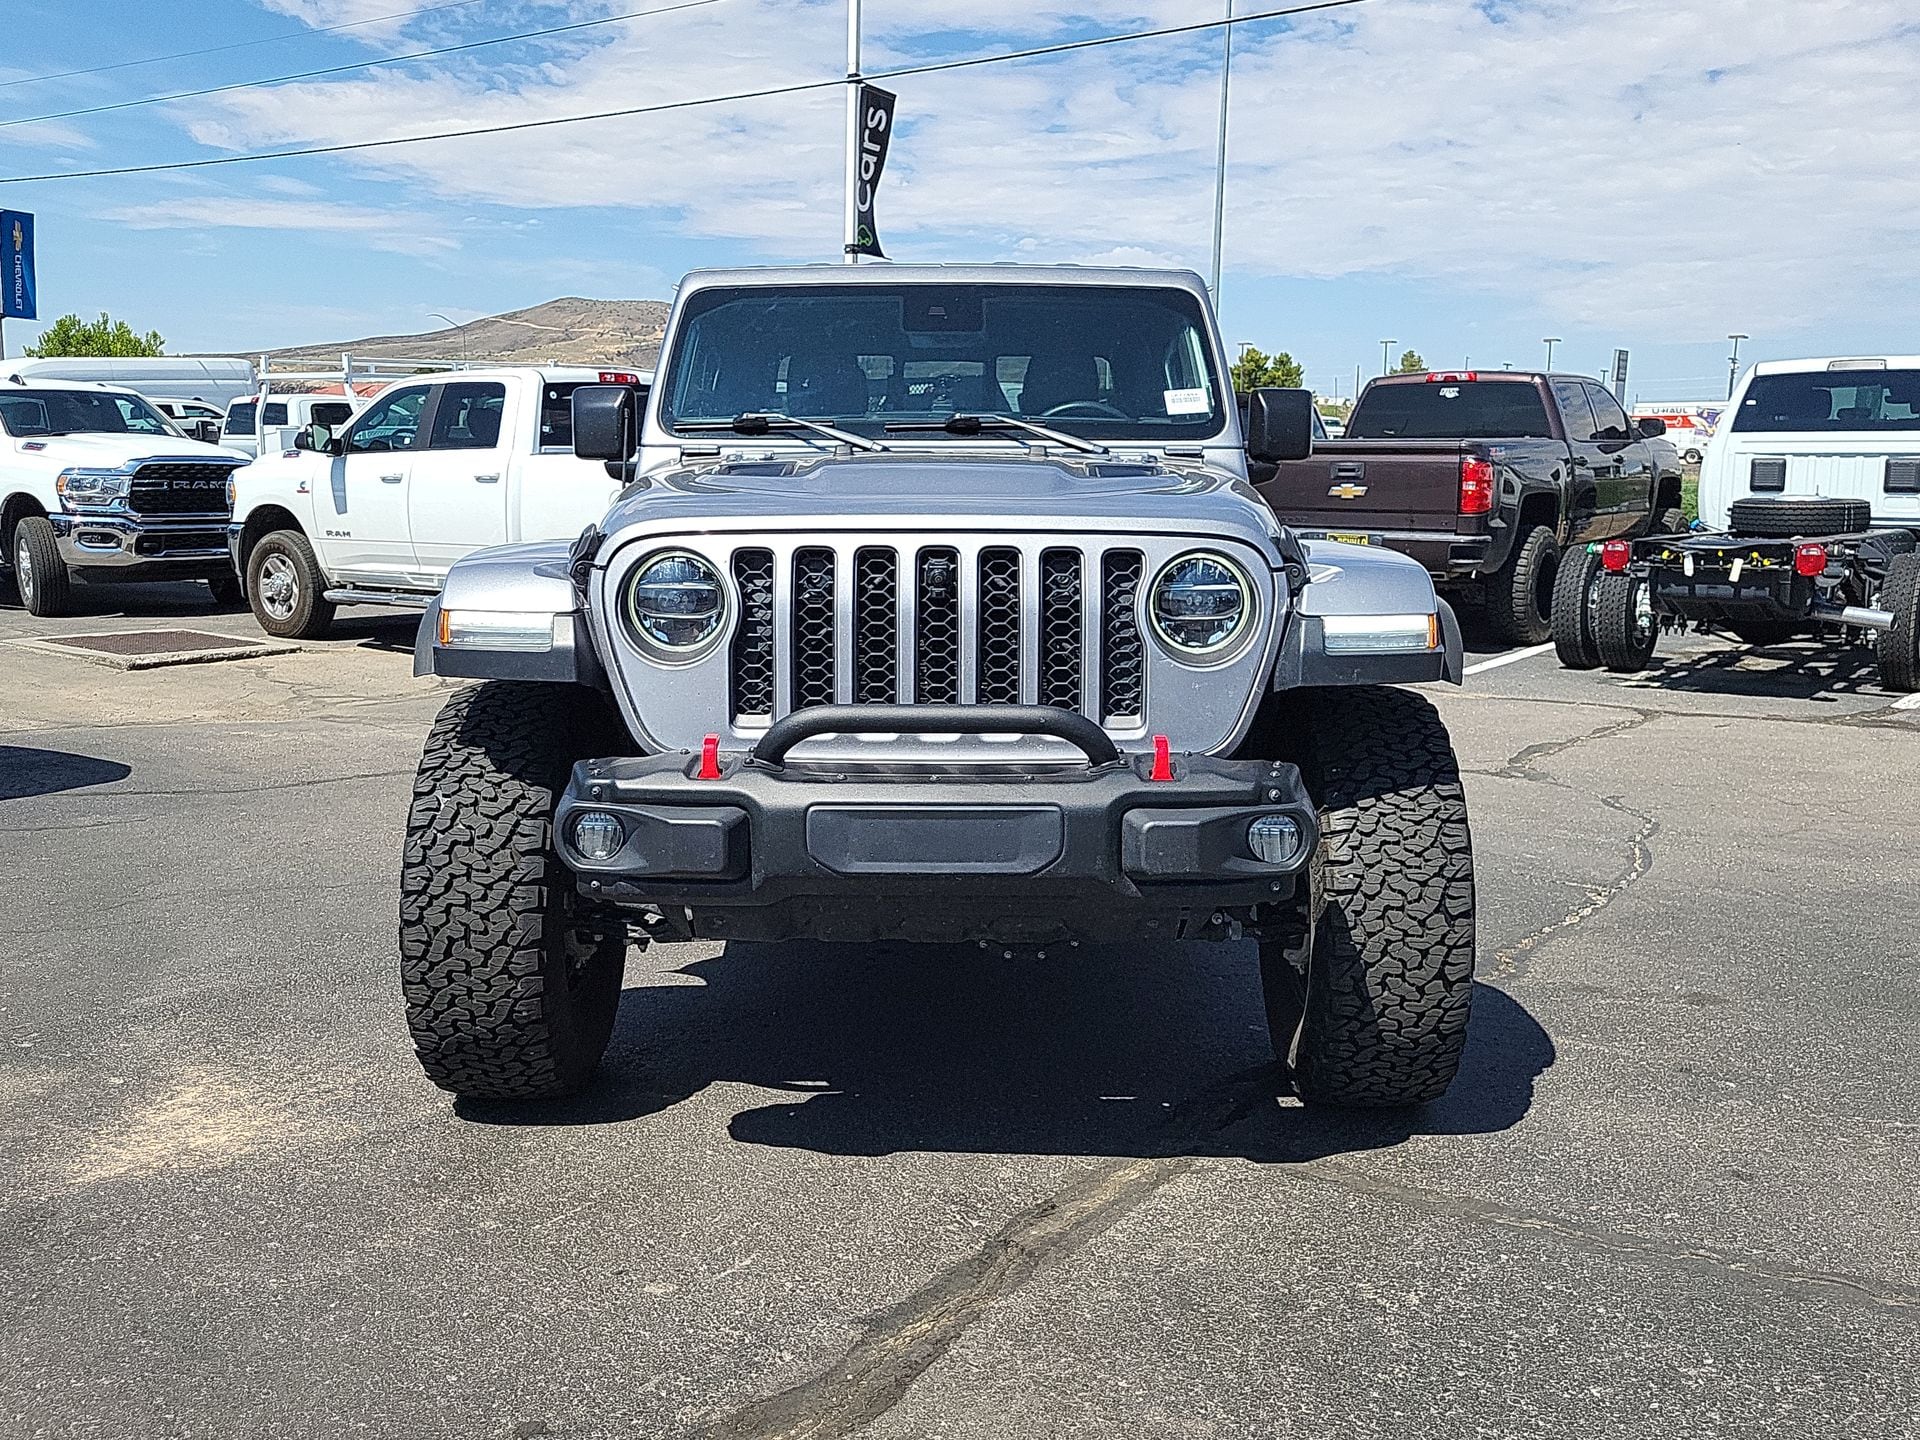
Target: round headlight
1200, 605
677, 604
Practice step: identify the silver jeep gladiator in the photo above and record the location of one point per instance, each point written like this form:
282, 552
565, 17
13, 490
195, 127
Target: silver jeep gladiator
937, 607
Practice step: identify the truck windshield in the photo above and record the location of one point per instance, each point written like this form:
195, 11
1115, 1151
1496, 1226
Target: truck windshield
79, 412
1837, 400
1449, 410
1109, 362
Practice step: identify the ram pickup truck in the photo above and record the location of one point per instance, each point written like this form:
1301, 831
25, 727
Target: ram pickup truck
940, 611
433, 468
1485, 478
96, 485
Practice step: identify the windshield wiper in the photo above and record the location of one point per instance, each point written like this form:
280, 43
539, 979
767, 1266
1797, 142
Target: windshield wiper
763, 424
978, 424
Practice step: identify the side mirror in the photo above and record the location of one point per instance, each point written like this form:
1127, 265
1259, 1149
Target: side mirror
1279, 425
605, 423
1652, 428
207, 432
314, 437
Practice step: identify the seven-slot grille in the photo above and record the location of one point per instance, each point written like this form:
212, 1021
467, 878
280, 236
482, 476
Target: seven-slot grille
180, 487
934, 625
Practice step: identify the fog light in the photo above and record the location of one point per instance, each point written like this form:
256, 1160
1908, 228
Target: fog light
598, 836
1275, 839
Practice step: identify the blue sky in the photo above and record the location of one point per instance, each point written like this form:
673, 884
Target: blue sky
1463, 177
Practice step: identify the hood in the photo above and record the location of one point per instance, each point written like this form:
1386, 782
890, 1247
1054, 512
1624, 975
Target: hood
948, 491
105, 452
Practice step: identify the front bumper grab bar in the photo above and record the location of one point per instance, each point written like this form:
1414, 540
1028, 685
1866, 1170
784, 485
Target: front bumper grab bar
1077, 730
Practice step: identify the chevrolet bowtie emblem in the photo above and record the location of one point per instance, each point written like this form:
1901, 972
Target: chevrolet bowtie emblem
1349, 491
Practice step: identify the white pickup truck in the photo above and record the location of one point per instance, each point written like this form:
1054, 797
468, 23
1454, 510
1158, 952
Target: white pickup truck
97, 485
432, 469
263, 424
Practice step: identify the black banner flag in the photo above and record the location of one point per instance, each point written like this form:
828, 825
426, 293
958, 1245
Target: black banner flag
876, 135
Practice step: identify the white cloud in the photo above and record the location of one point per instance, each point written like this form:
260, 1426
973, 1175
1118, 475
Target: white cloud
377, 229
1616, 161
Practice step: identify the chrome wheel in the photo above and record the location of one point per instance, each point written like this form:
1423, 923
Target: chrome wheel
23, 571
279, 587
1643, 618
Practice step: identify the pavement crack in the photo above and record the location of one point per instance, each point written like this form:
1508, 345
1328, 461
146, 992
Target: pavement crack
1512, 961
1523, 763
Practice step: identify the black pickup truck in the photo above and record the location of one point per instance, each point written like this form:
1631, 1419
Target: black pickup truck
1485, 477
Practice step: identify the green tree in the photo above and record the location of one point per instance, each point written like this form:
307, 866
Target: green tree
1411, 364
1255, 369
70, 335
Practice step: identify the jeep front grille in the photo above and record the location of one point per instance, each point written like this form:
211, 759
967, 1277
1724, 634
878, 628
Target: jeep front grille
180, 487
939, 625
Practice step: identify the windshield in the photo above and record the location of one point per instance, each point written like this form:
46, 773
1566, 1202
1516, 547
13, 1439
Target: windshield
79, 412
1838, 400
1114, 363
1449, 410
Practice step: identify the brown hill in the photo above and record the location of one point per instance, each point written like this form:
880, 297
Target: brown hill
568, 331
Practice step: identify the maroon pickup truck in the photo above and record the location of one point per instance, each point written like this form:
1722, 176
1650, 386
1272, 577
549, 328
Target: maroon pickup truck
1484, 477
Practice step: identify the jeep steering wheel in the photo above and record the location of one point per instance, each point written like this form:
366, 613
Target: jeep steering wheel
1097, 407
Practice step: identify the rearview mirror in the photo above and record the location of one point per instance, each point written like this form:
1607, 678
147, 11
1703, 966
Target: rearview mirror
1279, 425
605, 423
1652, 428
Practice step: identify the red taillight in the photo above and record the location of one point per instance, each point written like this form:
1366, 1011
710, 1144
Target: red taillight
709, 759
1810, 560
618, 377
1453, 377
1615, 555
1476, 486
1162, 759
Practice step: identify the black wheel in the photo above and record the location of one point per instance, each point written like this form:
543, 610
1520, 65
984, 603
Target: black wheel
1671, 521
511, 983
1763, 632
226, 589
38, 571
1520, 594
1368, 996
1899, 647
1573, 611
285, 587
1625, 629
1784, 519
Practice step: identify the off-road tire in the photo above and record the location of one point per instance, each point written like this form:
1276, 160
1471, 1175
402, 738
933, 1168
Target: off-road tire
1573, 610
1625, 647
511, 985
1520, 593
1368, 995
226, 590
39, 573
305, 614
1671, 521
1786, 519
1899, 646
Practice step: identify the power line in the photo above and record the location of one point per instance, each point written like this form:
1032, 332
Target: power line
358, 64
796, 88
238, 44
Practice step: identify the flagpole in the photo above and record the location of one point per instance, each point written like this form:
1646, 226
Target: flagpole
1220, 171
853, 133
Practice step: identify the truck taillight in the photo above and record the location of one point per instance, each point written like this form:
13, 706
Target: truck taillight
1810, 560
1452, 377
1476, 486
1615, 556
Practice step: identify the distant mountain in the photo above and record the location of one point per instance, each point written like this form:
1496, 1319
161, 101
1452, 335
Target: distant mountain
568, 331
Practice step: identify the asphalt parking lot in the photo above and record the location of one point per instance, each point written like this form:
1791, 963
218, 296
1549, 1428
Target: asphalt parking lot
905, 1193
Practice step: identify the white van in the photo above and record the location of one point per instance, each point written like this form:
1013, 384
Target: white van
1842, 428
213, 379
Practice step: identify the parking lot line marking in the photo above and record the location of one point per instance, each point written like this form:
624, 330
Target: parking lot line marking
1908, 702
1512, 657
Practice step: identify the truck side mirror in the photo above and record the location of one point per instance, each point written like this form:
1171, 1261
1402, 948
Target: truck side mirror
1652, 428
207, 432
1279, 425
314, 437
605, 423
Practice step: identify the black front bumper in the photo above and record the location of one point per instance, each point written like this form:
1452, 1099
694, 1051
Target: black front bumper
1011, 854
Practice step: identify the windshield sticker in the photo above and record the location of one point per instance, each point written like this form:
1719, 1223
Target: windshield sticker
1188, 402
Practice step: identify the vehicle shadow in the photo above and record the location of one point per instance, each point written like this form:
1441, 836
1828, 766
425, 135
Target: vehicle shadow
167, 599
26, 771
1150, 1051
382, 630
1793, 670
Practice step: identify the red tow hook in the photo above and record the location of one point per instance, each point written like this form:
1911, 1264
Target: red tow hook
709, 759
1162, 760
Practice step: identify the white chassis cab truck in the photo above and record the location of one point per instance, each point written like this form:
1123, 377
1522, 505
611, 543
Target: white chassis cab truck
940, 610
97, 486
432, 468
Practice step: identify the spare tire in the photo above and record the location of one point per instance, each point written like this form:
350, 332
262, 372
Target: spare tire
1771, 519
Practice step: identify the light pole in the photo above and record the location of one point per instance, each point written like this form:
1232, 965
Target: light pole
1386, 349
1550, 342
1733, 363
459, 325
1220, 169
